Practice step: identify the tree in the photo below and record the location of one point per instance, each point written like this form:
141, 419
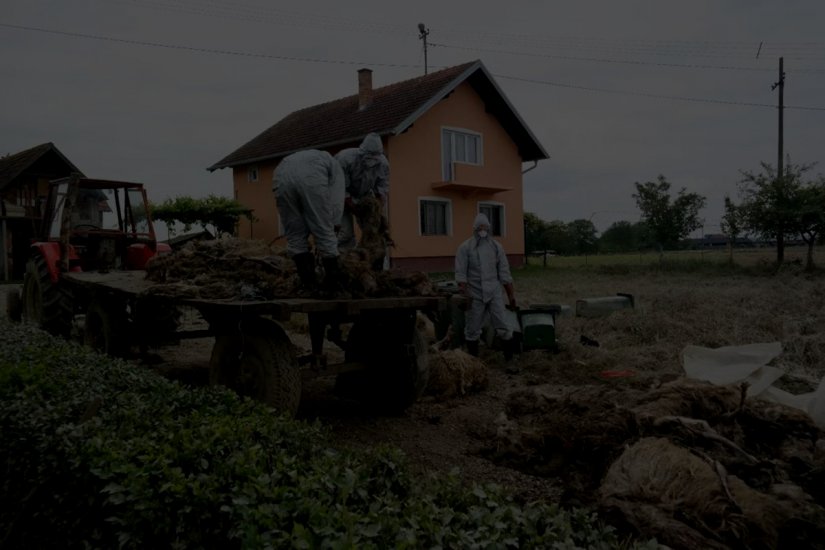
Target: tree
622, 236
770, 204
221, 213
534, 233
558, 237
582, 235
731, 224
811, 217
669, 221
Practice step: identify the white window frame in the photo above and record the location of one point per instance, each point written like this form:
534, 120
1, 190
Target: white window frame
448, 216
252, 173
447, 170
503, 207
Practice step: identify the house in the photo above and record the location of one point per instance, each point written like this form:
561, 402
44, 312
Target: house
455, 146
24, 187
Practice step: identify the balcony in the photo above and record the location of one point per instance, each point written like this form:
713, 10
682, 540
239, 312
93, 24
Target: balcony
470, 179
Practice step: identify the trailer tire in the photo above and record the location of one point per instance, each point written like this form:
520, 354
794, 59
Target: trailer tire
394, 352
255, 359
45, 303
106, 328
14, 305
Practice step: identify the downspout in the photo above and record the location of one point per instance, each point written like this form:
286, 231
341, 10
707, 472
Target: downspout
524, 225
535, 163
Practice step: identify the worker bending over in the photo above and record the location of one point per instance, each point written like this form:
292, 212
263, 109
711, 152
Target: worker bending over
309, 190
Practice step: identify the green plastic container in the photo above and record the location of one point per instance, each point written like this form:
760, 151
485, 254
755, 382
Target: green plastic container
538, 327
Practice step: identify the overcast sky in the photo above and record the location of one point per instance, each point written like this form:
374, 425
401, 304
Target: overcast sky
617, 92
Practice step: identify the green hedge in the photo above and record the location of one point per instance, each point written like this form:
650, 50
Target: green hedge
97, 453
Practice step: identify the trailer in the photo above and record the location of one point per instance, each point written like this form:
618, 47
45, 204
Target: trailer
385, 352
89, 264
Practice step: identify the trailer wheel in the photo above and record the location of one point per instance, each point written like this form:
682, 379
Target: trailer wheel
255, 359
45, 303
106, 328
395, 354
14, 305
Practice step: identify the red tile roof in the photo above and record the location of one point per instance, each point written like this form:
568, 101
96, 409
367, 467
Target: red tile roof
13, 165
393, 109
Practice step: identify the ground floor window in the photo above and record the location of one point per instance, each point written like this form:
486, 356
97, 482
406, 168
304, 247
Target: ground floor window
494, 213
435, 216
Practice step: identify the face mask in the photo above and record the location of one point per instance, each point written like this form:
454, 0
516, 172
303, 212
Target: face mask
482, 233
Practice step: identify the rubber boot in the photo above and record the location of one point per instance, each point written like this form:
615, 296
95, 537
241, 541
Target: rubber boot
305, 264
507, 346
472, 347
332, 277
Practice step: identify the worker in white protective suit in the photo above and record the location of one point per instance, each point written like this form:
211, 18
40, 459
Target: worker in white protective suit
481, 270
367, 173
309, 190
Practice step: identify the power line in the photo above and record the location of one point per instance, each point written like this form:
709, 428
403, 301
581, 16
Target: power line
656, 96
618, 61
344, 62
275, 16
599, 60
262, 14
201, 50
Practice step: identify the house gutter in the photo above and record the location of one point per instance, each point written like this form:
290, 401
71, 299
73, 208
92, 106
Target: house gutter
535, 163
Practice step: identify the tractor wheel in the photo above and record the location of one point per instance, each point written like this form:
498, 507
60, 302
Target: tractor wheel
106, 328
394, 352
256, 360
46, 303
14, 305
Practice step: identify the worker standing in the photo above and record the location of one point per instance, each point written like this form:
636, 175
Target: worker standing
367, 172
481, 270
309, 190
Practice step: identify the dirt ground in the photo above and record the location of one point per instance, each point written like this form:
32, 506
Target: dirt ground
635, 348
552, 425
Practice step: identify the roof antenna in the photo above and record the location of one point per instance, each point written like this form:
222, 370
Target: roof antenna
758, 50
423, 33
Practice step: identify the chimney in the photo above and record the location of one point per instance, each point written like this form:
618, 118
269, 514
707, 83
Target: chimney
364, 88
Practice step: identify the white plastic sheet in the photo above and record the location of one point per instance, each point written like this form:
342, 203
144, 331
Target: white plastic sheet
749, 363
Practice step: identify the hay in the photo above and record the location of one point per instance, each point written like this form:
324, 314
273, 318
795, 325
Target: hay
688, 500
576, 432
677, 483
693, 464
375, 231
454, 373
224, 269
247, 270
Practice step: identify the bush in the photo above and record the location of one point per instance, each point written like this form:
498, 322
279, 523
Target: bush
98, 453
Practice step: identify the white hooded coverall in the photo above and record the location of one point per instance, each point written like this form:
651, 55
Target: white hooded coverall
309, 191
481, 263
367, 173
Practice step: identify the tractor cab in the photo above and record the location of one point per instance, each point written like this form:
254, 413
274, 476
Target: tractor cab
99, 225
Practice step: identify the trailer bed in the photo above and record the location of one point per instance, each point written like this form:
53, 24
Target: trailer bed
134, 284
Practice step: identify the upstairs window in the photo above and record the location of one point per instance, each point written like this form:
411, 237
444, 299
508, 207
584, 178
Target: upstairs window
459, 146
252, 173
435, 216
495, 213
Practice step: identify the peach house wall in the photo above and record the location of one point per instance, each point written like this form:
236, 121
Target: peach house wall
258, 195
415, 164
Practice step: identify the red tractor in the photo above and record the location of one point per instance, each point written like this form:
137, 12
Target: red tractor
88, 225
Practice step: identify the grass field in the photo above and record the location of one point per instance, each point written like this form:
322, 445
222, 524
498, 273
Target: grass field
741, 256
690, 298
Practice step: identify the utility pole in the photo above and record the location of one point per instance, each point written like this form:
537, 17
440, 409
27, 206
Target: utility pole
781, 85
423, 33
780, 235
